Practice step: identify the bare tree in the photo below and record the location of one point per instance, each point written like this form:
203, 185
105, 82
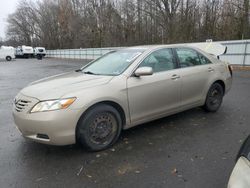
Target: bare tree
100, 23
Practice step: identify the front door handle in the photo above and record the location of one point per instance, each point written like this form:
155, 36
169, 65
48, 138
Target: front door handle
210, 69
175, 77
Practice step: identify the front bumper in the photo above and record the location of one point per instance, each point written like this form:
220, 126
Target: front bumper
240, 175
58, 126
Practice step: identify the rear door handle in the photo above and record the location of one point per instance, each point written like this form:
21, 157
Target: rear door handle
175, 77
210, 69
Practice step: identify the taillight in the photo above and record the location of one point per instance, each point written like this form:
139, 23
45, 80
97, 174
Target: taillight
230, 70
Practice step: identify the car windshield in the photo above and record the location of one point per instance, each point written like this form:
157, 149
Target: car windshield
113, 63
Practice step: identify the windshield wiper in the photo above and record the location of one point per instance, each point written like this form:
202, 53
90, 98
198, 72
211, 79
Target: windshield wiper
89, 72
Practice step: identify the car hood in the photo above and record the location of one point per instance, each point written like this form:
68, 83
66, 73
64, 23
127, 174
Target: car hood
57, 86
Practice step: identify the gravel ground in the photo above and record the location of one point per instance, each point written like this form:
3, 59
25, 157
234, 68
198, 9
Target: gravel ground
192, 149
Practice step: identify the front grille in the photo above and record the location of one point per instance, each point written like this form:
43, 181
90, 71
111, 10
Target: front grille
21, 105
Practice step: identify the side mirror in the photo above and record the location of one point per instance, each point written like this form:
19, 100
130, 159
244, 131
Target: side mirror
144, 71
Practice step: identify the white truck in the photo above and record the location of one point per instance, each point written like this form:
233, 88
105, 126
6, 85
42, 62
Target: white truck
24, 51
7, 53
39, 51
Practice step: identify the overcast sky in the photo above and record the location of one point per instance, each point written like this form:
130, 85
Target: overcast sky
6, 7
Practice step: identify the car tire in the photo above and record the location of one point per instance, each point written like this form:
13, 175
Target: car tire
8, 58
99, 128
214, 98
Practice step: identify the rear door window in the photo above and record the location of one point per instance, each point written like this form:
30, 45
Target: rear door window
204, 60
188, 57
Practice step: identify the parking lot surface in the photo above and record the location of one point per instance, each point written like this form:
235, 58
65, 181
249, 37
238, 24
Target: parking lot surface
192, 149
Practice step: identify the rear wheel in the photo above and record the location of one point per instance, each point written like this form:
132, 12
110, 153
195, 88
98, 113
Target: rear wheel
8, 58
99, 128
214, 98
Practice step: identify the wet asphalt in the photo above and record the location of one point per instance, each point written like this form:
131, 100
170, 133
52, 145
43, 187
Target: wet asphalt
192, 149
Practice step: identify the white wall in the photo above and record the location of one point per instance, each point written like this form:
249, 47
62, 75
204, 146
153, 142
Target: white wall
88, 53
238, 52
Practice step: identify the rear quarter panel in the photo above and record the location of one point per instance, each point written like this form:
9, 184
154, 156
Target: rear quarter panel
221, 73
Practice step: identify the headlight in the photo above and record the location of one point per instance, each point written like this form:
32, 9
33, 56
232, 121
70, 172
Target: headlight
52, 105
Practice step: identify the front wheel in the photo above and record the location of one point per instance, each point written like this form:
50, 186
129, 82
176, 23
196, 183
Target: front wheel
99, 128
214, 98
8, 58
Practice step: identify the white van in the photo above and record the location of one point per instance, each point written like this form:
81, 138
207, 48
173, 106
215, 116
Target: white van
24, 51
7, 52
40, 51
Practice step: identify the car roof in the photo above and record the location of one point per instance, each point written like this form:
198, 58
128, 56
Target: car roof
215, 49
148, 47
